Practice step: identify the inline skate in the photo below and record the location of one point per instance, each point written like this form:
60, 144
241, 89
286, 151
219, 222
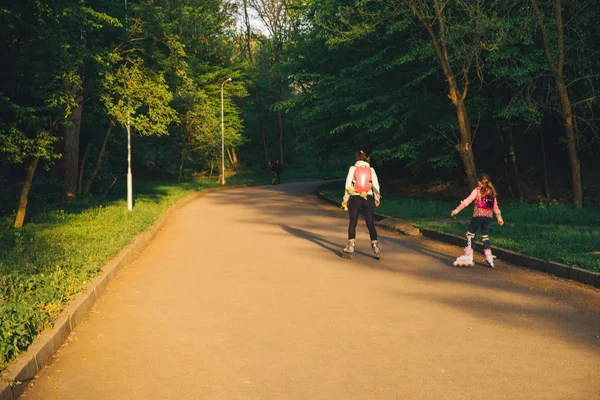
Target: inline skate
465, 260
376, 249
349, 249
489, 257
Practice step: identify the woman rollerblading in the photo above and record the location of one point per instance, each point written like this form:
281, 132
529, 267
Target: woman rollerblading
362, 194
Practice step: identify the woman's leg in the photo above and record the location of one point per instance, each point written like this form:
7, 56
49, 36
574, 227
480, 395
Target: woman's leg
369, 206
354, 206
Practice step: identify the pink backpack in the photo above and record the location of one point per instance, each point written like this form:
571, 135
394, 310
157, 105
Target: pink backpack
362, 179
485, 200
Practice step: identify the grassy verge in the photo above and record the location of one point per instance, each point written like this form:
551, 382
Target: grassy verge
48, 261
551, 232
58, 251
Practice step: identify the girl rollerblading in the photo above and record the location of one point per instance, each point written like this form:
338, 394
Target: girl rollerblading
486, 205
362, 194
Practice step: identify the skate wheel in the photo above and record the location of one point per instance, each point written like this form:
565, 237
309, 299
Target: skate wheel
455, 264
472, 265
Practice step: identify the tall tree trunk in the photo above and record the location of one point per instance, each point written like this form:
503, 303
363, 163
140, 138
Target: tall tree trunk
181, 163
82, 168
88, 184
504, 155
513, 160
25, 193
557, 70
230, 156
71, 150
465, 147
248, 32
279, 119
281, 130
574, 162
546, 186
264, 140
261, 125
507, 150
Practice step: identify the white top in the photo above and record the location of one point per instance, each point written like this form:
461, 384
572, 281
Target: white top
374, 191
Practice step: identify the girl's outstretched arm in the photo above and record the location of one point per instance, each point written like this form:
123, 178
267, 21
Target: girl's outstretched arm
465, 202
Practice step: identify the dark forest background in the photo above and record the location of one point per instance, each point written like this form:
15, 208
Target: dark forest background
437, 91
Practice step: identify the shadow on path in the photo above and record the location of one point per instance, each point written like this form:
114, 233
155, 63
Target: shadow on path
335, 248
497, 295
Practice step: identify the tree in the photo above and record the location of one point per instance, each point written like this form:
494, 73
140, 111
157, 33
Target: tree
138, 100
276, 17
556, 64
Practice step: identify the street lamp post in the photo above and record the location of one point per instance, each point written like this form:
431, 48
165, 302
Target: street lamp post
223, 134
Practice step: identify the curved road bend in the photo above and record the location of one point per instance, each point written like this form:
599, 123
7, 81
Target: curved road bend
243, 295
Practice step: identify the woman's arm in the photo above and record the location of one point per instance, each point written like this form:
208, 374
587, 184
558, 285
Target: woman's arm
375, 182
348, 184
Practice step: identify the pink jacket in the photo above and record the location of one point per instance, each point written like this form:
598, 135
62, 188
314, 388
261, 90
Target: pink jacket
479, 211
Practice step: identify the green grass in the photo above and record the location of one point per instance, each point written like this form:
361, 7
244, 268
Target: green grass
552, 232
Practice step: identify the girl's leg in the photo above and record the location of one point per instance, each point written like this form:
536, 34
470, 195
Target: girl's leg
353, 211
477, 223
485, 233
485, 237
369, 206
473, 227
467, 258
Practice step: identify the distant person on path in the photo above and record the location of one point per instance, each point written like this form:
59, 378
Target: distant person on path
273, 174
486, 204
277, 169
362, 193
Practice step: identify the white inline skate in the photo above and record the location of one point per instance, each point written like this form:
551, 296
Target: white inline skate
376, 249
465, 260
489, 257
349, 249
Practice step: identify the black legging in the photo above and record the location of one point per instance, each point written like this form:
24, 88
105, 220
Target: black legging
355, 204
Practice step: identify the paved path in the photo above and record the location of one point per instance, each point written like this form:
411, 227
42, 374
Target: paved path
243, 295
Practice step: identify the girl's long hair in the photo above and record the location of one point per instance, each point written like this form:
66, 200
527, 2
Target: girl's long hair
487, 185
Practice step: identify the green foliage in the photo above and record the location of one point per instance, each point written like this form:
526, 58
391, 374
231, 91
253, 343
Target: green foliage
134, 97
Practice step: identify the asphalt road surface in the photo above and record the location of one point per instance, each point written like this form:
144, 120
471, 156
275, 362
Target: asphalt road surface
243, 295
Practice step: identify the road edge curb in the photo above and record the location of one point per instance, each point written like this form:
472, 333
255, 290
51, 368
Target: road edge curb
559, 270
